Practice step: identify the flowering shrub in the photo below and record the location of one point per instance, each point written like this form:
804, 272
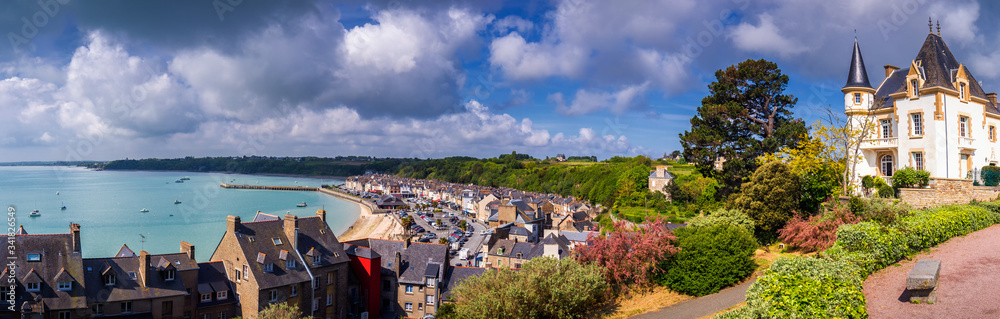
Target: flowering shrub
819, 231
630, 255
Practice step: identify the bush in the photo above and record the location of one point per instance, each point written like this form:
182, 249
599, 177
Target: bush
886, 191
909, 177
710, 258
819, 232
990, 175
856, 205
724, 216
882, 211
805, 287
769, 198
873, 246
630, 255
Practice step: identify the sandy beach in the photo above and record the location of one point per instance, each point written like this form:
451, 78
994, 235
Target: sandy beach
370, 225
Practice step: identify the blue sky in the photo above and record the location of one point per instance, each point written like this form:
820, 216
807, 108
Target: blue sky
406, 78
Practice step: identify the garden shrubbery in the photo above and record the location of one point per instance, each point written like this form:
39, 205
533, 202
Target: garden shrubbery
910, 177
990, 175
818, 232
805, 287
709, 259
723, 216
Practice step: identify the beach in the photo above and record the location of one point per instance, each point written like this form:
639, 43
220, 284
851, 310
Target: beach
370, 225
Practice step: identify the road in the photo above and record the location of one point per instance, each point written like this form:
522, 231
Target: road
474, 242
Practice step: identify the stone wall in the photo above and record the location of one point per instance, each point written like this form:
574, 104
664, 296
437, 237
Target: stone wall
946, 191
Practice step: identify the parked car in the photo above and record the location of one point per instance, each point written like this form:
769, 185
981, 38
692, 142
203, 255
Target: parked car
468, 233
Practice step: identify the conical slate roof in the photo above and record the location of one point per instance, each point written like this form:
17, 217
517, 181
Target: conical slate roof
857, 77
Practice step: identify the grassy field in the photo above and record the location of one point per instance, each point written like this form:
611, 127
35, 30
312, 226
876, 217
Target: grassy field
681, 169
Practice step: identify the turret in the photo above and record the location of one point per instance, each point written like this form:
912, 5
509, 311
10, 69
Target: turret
858, 92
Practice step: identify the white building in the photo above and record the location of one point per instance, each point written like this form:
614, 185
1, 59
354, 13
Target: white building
934, 115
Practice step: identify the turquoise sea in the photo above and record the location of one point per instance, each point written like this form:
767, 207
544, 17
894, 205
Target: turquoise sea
107, 206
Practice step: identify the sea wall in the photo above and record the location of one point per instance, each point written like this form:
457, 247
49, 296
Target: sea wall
351, 198
946, 191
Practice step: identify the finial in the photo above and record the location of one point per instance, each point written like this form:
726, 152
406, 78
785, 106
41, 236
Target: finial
855, 35
939, 27
930, 26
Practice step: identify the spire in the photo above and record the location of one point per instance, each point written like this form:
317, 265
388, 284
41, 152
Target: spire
939, 27
930, 26
858, 76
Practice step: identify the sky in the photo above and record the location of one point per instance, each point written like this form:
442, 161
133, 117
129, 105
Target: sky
427, 79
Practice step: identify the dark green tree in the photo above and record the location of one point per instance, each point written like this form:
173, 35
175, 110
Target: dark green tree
769, 199
711, 258
745, 115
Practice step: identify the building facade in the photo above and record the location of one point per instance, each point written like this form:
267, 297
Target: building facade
932, 115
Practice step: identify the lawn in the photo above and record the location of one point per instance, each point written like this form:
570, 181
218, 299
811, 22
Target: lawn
681, 169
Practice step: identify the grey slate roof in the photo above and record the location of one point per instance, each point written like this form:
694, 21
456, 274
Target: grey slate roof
263, 217
314, 236
125, 252
127, 288
212, 279
415, 259
857, 76
57, 259
455, 275
667, 175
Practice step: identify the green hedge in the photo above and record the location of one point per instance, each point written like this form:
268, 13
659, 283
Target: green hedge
830, 286
805, 287
711, 258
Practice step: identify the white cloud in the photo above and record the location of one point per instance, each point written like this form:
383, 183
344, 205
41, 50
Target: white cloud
522, 60
765, 38
513, 23
959, 20
586, 101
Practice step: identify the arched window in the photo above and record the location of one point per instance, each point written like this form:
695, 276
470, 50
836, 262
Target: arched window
886, 165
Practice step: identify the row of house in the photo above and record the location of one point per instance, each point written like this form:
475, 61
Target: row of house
271, 259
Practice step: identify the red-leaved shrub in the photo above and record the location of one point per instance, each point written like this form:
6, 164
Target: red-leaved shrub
630, 255
819, 231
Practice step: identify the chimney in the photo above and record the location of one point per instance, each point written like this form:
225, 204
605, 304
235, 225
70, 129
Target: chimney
396, 265
75, 230
992, 97
292, 229
660, 170
187, 248
232, 224
321, 214
550, 250
144, 268
406, 243
889, 69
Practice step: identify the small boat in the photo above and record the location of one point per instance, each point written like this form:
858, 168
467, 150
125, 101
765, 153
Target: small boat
177, 201
185, 178
171, 215
303, 204
178, 181
143, 210
35, 213
57, 193
63, 206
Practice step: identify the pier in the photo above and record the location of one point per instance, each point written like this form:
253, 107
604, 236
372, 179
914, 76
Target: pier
275, 188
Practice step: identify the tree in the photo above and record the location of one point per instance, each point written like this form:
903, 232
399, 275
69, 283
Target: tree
280, 310
630, 254
769, 199
819, 163
710, 259
543, 288
745, 116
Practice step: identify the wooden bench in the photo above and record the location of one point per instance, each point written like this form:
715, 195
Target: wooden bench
922, 282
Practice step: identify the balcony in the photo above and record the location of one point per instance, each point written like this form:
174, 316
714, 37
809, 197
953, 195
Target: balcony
879, 143
966, 142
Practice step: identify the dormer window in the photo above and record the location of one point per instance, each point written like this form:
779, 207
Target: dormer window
168, 275
222, 295
206, 297
268, 267
65, 285
290, 264
914, 87
315, 260
33, 286
109, 280
35, 257
277, 241
431, 281
961, 91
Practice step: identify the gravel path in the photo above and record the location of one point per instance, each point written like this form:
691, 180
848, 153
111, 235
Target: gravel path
968, 287
702, 306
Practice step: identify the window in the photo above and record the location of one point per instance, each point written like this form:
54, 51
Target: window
34, 257
205, 316
886, 165
168, 275
222, 295
206, 297
886, 128
290, 264
222, 315
126, 307
98, 309
857, 98
132, 275
268, 267
329, 299
961, 91
168, 308
430, 282
918, 123
239, 274
277, 241
409, 289
315, 284
65, 285
315, 304
246, 272
918, 160
274, 295
429, 299
913, 88
963, 124
993, 133
329, 278
386, 285
295, 291
64, 315
409, 306
109, 279
33, 286
315, 260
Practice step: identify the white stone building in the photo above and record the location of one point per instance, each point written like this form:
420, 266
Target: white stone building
933, 115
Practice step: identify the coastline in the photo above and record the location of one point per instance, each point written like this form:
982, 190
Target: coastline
369, 224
